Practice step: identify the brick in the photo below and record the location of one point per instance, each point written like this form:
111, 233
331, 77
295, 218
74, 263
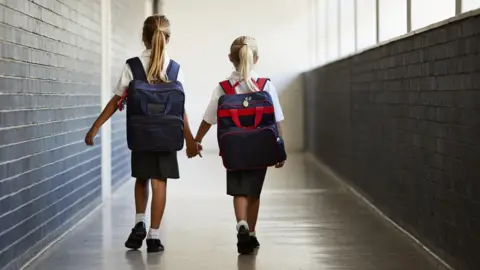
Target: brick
26, 117
412, 135
429, 83
25, 85
75, 203
50, 72
441, 67
29, 178
45, 194
405, 45
453, 31
452, 49
19, 101
469, 28
30, 132
417, 42
16, 151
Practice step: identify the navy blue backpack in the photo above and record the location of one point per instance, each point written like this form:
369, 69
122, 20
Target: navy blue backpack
154, 111
247, 131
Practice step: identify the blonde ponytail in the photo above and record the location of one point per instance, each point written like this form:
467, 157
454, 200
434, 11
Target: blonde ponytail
242, 53
156, 33
157, 57
246, 63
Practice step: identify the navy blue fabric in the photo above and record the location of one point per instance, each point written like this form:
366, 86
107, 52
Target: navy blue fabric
243, 148
172, 70
137, 69
154, 111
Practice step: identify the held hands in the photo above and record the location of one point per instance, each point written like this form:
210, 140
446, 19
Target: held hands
193, 149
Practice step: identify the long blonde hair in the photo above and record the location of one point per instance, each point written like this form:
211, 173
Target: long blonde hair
243, 52
156, 33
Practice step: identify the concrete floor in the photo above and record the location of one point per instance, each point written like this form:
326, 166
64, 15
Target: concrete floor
307, 221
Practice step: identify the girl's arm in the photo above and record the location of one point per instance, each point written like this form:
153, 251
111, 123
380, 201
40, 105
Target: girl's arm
280, 129
210, 116
202, 131
186, 129
192, 149
107, 112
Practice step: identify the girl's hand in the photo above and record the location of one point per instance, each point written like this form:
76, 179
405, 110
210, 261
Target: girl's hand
89, 138
200, 149
193, 149
280, 164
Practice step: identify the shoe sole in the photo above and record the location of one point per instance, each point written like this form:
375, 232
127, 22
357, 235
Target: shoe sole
244, 245
155, 250
255, 245
135, 242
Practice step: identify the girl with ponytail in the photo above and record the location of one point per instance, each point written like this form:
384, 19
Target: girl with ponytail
245, 185
147, 165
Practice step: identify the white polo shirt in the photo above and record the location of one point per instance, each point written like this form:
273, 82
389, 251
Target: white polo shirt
210, 115
127, 75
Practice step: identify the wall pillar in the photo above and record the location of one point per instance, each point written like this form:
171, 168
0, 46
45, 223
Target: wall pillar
158, 6
105, 96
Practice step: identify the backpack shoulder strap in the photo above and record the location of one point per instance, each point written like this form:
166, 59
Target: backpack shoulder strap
172, 70
137, 69
227, 87
262, 82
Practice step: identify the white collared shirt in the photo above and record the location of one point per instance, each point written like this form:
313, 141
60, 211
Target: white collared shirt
210, 115
126, 77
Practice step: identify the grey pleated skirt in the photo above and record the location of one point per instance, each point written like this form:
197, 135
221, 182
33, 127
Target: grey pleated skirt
155, 165
247, 183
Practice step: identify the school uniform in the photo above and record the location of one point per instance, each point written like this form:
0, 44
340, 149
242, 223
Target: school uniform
149, 164
244, 182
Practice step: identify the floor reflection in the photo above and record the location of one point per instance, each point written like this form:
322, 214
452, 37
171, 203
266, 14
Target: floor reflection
247, 262
307, 221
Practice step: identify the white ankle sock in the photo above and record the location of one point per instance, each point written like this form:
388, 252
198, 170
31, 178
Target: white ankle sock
140, 218
253, 234
153, 234
242, 223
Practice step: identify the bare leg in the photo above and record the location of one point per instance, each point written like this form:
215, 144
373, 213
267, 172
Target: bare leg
159, 199
253, 207
244, 244
139, 232
240, 204
141, 196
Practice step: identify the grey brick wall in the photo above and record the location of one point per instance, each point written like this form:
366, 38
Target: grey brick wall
126, 43
50, 53
49, 95
401, 122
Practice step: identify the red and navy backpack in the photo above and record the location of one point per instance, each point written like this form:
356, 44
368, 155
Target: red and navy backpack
247, 131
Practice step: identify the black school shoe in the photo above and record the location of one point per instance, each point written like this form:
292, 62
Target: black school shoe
244, 244
255, 242
136, 237
154, 245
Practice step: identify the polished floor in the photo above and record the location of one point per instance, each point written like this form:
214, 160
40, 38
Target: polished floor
307, 222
